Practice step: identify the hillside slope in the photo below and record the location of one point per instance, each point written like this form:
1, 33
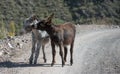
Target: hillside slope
82, 11
77, 11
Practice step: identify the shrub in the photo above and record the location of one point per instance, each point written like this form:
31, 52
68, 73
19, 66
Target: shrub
12, 29
3, 30
57, 21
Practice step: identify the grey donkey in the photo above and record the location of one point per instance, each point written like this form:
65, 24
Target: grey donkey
39, 39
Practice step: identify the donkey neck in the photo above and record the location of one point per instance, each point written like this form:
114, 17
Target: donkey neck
51, 30
39, 33
56, 33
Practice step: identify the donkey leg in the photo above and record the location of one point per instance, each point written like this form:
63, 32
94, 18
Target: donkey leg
71, 53
44, 57
37, 52
31, 57
53, 53
61, 54
32, 52
65, 53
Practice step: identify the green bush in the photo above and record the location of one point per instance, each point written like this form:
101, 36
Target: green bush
58, 21
12, 29
3, 30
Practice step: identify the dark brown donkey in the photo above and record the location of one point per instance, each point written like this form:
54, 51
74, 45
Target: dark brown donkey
61, 35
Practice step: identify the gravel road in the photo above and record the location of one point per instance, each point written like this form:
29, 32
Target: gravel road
96, 51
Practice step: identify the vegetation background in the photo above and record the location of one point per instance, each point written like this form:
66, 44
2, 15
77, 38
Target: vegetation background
13, 12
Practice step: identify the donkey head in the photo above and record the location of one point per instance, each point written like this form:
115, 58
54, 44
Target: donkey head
44, 24
27, 24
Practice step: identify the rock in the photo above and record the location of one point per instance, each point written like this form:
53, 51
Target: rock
19, 45
10, 45
1, 52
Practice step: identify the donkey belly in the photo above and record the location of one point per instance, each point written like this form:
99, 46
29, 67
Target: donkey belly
67, 41
68, 36
45, 40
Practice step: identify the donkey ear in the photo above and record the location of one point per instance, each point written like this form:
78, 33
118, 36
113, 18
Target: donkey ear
49, 18
34, 16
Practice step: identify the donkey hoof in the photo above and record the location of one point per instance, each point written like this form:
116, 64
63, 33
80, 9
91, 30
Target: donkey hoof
35, 63
52, 64
45, 61
30, 62
62, 65
71, 63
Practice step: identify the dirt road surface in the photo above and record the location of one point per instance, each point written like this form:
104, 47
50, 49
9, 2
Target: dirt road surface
95, 52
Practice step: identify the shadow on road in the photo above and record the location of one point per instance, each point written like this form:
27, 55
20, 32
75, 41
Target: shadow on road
9, 64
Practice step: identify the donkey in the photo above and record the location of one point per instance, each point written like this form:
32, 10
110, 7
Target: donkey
60, 35
39, 38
